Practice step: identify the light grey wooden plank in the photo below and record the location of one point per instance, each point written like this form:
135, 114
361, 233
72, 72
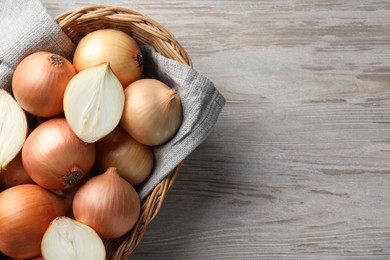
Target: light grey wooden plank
298, 165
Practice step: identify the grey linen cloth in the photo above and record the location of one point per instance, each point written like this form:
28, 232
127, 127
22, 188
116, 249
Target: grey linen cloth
201, 104
26, 27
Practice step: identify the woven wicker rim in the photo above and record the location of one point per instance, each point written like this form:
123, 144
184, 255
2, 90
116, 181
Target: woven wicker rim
77, 23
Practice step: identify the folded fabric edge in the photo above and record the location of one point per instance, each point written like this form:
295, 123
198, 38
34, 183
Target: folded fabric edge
181, 151
171, 154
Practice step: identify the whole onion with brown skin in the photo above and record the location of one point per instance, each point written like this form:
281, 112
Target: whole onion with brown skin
54, 157
25, 213
153, 113
39, 83
133, 160
117, 48
108, 204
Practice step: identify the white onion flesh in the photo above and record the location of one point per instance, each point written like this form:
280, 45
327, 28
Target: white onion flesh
13, 128
68, 239
93, 103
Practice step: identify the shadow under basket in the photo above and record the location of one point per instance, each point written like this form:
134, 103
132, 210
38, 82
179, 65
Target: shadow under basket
79, 22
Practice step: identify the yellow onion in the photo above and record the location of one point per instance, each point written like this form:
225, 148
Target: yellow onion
25, 213
152, 113
39, 83
108, 204
110, 46
54, 157
14, 174
133, 160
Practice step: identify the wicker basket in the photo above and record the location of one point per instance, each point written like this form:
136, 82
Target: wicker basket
77, 23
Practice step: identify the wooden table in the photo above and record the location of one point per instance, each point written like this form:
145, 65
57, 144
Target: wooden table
298, 164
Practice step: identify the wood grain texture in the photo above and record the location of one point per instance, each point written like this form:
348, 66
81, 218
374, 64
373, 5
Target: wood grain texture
298, 165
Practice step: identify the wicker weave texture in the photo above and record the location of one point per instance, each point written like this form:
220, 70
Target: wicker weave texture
76, 24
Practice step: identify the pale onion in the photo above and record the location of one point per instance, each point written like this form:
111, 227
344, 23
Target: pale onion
133, 160
152, 113
93, 103
25, 213
54, 157
68, 239
113, 46
13, 128
14, 174
39, 83
108, 204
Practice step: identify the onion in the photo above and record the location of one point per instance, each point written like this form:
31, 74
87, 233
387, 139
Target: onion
13, 128
93, 103
25, 213
15, 174
152, 113
113, 46
39, 83
54, 157
133, 160
108, 204
68, 239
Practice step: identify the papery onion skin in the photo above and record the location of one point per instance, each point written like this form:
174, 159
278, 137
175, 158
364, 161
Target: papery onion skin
133, 160
39, 83
54, 157
108, 204
113, 46
25, 213
153, 113
14, 174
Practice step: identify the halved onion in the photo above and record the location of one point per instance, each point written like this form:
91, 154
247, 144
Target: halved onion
93, 103
68, 239
13, 128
